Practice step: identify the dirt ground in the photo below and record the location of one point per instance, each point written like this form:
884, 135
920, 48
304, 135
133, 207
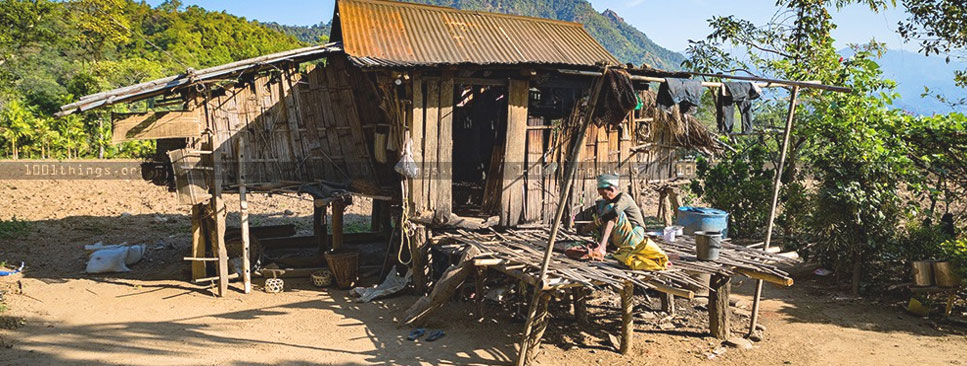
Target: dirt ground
57, 315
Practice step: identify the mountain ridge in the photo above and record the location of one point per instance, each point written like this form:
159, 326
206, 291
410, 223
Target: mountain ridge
623, 40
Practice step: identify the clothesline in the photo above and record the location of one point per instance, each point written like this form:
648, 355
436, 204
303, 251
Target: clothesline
760, 82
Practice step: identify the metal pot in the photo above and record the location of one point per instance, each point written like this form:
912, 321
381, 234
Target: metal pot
923, 273
707, 245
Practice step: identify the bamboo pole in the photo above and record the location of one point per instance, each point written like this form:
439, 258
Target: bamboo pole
776, 184
576, 147
243, 217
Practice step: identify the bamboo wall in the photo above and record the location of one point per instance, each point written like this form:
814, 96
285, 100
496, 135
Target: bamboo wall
297, 129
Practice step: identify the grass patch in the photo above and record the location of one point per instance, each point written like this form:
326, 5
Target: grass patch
13, 228
356, 227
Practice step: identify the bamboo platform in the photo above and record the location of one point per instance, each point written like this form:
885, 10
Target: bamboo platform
518, 253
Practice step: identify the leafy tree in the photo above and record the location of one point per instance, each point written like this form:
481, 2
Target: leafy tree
16, 122
842, 141
51, 52
941, 28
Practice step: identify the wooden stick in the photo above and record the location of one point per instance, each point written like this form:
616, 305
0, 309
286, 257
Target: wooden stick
627, 317
243, 217
580, 296
319, 229
200, 259
209, 279
338, 208
198, 242
576, 147
776, 185
667, 303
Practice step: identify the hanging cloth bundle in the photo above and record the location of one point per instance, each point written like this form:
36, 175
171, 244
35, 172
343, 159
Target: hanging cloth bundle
617, 98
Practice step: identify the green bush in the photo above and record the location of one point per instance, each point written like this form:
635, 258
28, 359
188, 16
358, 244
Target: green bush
738, 183
956, 252
13, 228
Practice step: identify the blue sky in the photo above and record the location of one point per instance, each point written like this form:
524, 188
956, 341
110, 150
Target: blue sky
669, 23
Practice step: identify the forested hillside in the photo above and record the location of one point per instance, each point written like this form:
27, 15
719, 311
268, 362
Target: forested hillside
318, 33
621, 39
52, 52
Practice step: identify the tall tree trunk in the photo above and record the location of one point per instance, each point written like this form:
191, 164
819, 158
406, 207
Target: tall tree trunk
100, 138
857, 273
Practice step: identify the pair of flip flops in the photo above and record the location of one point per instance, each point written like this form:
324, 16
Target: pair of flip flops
419, 332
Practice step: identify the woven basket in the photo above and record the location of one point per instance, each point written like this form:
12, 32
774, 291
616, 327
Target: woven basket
344, 266
321, 278
274, 285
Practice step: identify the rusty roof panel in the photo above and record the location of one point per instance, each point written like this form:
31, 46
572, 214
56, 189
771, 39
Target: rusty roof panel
379, 32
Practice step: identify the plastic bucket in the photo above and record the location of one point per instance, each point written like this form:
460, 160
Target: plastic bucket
707, 245
703, 219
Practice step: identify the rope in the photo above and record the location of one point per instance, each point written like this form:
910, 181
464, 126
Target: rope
405, 226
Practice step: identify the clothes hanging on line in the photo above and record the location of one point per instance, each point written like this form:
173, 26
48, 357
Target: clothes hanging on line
684, 92
741, 93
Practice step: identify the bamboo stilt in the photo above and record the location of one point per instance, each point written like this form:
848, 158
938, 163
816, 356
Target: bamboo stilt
627, 317
243, 217
776, 185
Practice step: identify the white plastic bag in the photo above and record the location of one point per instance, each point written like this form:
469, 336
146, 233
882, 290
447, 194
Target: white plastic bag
407, 166
115, 258
108, 260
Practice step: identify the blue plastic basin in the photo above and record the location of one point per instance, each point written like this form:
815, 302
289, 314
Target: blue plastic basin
703, 219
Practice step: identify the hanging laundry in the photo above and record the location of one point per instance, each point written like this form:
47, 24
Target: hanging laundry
741, 93
684, 92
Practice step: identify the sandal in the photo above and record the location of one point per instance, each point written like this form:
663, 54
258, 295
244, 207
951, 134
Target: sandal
416, 333
434, 335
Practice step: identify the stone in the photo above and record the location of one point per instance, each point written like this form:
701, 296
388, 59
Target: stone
755, 337
738, 342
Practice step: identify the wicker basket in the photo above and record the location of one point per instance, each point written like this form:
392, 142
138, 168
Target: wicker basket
321, 278
344, 266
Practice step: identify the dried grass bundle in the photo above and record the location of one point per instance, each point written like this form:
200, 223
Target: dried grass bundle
673, 128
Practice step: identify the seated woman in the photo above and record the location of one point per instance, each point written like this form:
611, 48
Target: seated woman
618, 221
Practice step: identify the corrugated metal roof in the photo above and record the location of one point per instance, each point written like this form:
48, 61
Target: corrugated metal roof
151, 88
389, 33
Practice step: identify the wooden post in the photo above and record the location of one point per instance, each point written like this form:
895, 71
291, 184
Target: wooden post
667, 303
576, 147
512, 194
718, 306
627, 317
776, 184
218, 231
243, 218
479, 277
338, 208
319, 229
418, 258
541, 320
198, 242
580, 296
